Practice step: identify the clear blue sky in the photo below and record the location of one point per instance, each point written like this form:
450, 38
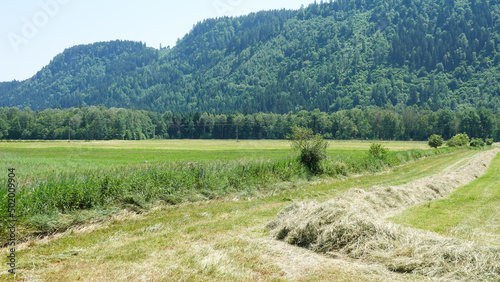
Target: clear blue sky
32, 32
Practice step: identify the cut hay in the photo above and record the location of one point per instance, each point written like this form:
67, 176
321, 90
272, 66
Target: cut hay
353, 225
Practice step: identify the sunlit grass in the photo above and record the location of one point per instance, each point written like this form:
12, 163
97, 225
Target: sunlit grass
471, 212
63, 177
209, 240
236, 187
206, 145
35, 161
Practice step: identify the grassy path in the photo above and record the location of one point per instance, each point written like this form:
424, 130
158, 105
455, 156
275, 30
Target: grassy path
215, 240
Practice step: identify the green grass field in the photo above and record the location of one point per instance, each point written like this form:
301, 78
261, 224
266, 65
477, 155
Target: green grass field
63, 178
40, 160
215, 233
112, 153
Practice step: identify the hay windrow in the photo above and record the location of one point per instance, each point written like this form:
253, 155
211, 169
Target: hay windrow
354, 224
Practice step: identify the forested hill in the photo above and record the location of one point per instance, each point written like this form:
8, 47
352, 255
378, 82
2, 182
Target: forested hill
330, 56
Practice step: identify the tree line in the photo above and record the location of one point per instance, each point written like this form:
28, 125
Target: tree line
100, 123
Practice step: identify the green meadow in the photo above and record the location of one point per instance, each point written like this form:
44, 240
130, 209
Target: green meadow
41, 160
62, 184
213, 231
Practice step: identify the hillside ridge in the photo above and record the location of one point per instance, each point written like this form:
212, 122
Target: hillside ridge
330, 56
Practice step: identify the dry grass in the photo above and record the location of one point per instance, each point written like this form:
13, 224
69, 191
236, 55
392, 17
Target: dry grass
353, 224
205, 145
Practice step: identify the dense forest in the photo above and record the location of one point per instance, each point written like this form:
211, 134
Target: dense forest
332, 56
89, 123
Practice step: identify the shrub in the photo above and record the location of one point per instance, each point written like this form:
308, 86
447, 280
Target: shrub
478, 142
460, 139
312, 147
377, 151
489, 141
435, 141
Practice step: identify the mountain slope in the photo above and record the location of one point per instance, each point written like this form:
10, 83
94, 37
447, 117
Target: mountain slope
85, 74
330, 56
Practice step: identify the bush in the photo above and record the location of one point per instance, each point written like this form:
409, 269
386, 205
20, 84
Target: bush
489, 141
460, 139
312, 147
478, 142
435, 141
377, 151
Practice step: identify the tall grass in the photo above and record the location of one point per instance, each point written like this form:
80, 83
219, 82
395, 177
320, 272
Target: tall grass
55, 203
360, 161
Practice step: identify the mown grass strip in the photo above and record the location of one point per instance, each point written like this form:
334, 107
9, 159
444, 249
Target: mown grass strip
352, 225
471, 212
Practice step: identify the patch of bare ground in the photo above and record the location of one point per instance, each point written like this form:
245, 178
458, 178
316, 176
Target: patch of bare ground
354, 225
